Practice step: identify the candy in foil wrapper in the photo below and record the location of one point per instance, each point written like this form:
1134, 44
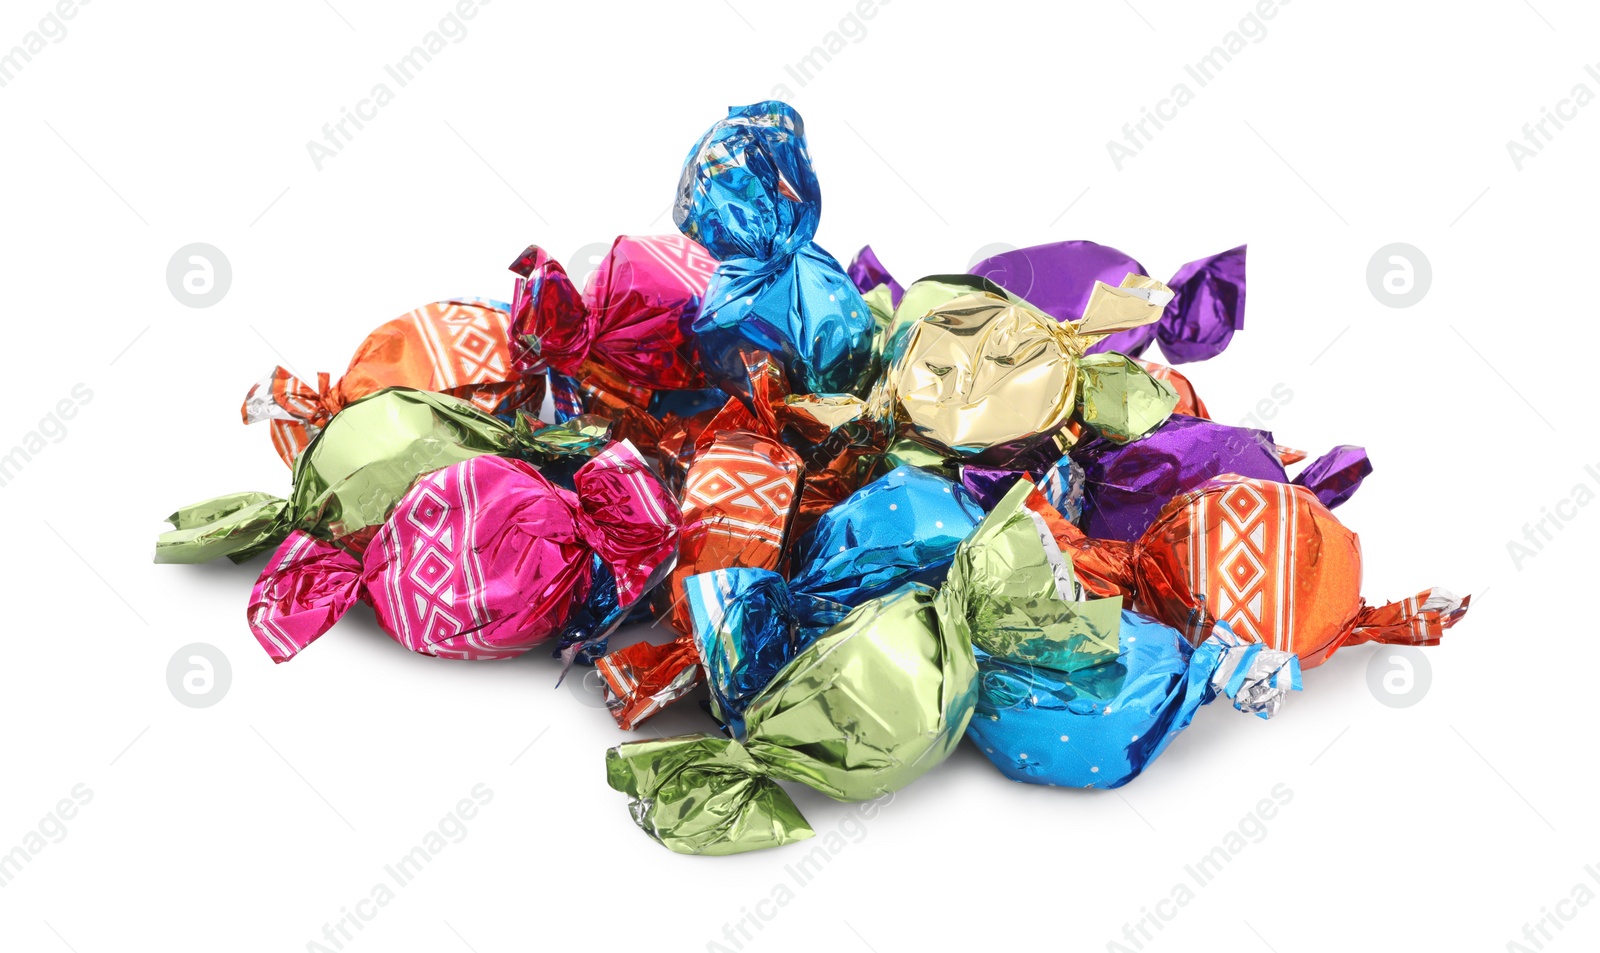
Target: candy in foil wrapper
1268, 559
749, 196
632, 317
864, 710
1127, 485
982, 377
1099, 727
480, 560
864, 705
350, 477
902, 527
346, 481
456, 347
1206, 309
1065, 680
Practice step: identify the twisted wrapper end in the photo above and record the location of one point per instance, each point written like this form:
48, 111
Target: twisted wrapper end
296, 410
700, 794
1257, 679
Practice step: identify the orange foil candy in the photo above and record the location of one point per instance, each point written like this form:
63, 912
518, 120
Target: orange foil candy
457, 347
1267, 558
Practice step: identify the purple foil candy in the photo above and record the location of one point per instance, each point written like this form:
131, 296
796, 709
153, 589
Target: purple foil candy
1336, 475
1125, 487
1208, 306
868, 272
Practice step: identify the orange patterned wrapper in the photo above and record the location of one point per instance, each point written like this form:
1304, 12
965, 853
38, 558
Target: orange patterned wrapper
1267, 558
457, 347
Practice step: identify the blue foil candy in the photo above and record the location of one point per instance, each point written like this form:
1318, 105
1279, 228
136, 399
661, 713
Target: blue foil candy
1099, 727
749, 196
902, 527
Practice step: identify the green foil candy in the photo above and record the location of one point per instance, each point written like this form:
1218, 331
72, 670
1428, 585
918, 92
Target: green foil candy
360, 465
1013, 589
1120, 399
866, 709
876, 701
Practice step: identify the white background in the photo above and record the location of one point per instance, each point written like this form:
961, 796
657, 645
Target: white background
945, 128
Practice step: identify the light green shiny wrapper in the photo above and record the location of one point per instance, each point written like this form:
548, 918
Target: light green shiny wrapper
1012, 588
866, 709
877, 700
350, 477
1120, 399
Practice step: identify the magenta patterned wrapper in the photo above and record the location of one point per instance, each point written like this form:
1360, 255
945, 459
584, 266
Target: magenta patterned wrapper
480, 560
1127, 485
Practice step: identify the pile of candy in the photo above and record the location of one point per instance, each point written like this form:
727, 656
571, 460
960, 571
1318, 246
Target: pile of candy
877, 518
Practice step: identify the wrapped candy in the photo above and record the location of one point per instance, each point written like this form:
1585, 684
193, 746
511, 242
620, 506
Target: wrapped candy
1065, 680
1268, 559
903, 527
632, 318
749, 195
862, 704
456, 347
866, 708
480, 560
1206, 309
1099, 727
982, 377
1126, 485
357, 468
741, 495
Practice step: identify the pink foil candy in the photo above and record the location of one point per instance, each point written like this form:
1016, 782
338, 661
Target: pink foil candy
481, 560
